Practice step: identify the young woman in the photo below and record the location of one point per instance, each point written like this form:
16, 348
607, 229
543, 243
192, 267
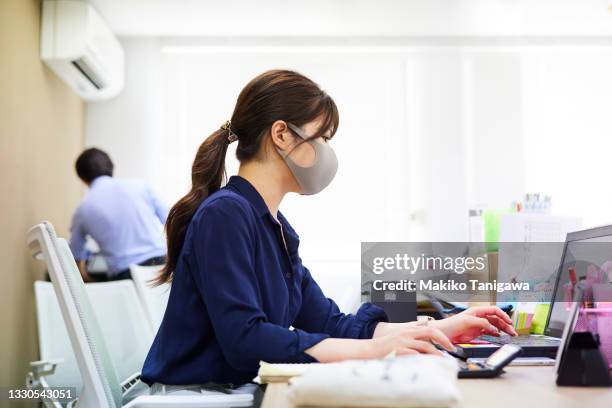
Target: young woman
238, 283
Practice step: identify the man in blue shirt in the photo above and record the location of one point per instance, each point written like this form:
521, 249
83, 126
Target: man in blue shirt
124, 217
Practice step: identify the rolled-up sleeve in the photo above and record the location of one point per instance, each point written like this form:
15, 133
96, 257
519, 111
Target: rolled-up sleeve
78, 237
224, 272
159, 207
321, 314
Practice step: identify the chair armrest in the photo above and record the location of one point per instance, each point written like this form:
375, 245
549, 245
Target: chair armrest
41, 369
35, 379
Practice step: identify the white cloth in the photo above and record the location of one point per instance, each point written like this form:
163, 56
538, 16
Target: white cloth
407, 381
163, 389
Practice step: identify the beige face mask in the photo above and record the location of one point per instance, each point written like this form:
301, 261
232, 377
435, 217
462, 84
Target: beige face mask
320, 174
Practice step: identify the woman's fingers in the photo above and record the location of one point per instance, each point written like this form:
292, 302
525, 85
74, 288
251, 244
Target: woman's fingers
435, 335
465, 338
501, 324
484, 325
403, 351
422, 346
482, 311
496, 316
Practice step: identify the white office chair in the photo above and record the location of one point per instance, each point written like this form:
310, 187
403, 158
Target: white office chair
53, 340
101, 387
154, 299
123, 324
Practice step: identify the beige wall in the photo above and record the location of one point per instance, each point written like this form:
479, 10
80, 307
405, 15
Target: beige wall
41, 133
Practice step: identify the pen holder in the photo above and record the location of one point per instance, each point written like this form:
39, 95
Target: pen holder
583, 363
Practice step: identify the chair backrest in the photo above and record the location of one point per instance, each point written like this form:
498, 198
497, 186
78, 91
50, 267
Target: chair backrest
124, 324
53, 339
122, 321
100, 384
154, 299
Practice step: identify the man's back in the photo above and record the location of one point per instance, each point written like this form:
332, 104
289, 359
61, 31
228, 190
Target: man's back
124, 217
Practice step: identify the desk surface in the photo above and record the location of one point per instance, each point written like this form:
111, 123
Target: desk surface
518, 387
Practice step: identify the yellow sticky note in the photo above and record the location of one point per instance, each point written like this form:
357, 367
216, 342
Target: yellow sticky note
539, 318
522, 319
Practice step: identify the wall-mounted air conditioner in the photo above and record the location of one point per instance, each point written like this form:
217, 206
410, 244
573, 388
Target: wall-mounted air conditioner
80, 48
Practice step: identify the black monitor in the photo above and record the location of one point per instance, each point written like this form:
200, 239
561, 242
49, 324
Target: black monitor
583, 251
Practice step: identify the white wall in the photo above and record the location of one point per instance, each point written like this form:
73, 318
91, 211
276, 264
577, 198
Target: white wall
131, 126
350, 18
567, 100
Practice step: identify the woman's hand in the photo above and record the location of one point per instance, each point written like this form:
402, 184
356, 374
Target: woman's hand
474, 322
402, 340
412, 340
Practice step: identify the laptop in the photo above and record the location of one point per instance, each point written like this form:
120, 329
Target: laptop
592, 246
567, 334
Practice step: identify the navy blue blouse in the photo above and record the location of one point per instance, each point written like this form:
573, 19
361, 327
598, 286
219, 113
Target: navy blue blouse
238, 287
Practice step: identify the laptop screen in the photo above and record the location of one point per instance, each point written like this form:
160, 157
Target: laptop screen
586, 263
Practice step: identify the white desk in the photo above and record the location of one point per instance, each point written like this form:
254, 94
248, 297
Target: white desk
519, 387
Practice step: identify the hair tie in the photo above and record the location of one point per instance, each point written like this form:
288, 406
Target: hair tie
231, 136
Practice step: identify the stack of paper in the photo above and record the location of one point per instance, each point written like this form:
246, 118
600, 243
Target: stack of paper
270, 373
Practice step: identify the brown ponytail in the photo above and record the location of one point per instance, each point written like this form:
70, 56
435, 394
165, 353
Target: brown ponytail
273, 95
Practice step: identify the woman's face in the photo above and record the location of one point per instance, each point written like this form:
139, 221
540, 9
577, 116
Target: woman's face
303, 154
288, 142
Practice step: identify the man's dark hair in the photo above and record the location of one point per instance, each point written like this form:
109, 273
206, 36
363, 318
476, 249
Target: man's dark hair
93, 163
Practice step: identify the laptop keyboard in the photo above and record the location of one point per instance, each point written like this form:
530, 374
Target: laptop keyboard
521, 340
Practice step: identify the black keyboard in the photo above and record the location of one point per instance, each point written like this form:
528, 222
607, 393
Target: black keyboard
521, 340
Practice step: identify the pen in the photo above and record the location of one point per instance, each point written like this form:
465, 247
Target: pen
572, 276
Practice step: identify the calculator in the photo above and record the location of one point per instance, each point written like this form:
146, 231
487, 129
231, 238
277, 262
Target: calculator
492, 366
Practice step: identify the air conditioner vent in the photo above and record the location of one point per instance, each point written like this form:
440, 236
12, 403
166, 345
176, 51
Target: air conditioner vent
88, 73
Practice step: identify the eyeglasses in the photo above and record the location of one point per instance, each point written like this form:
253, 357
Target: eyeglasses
300, 133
